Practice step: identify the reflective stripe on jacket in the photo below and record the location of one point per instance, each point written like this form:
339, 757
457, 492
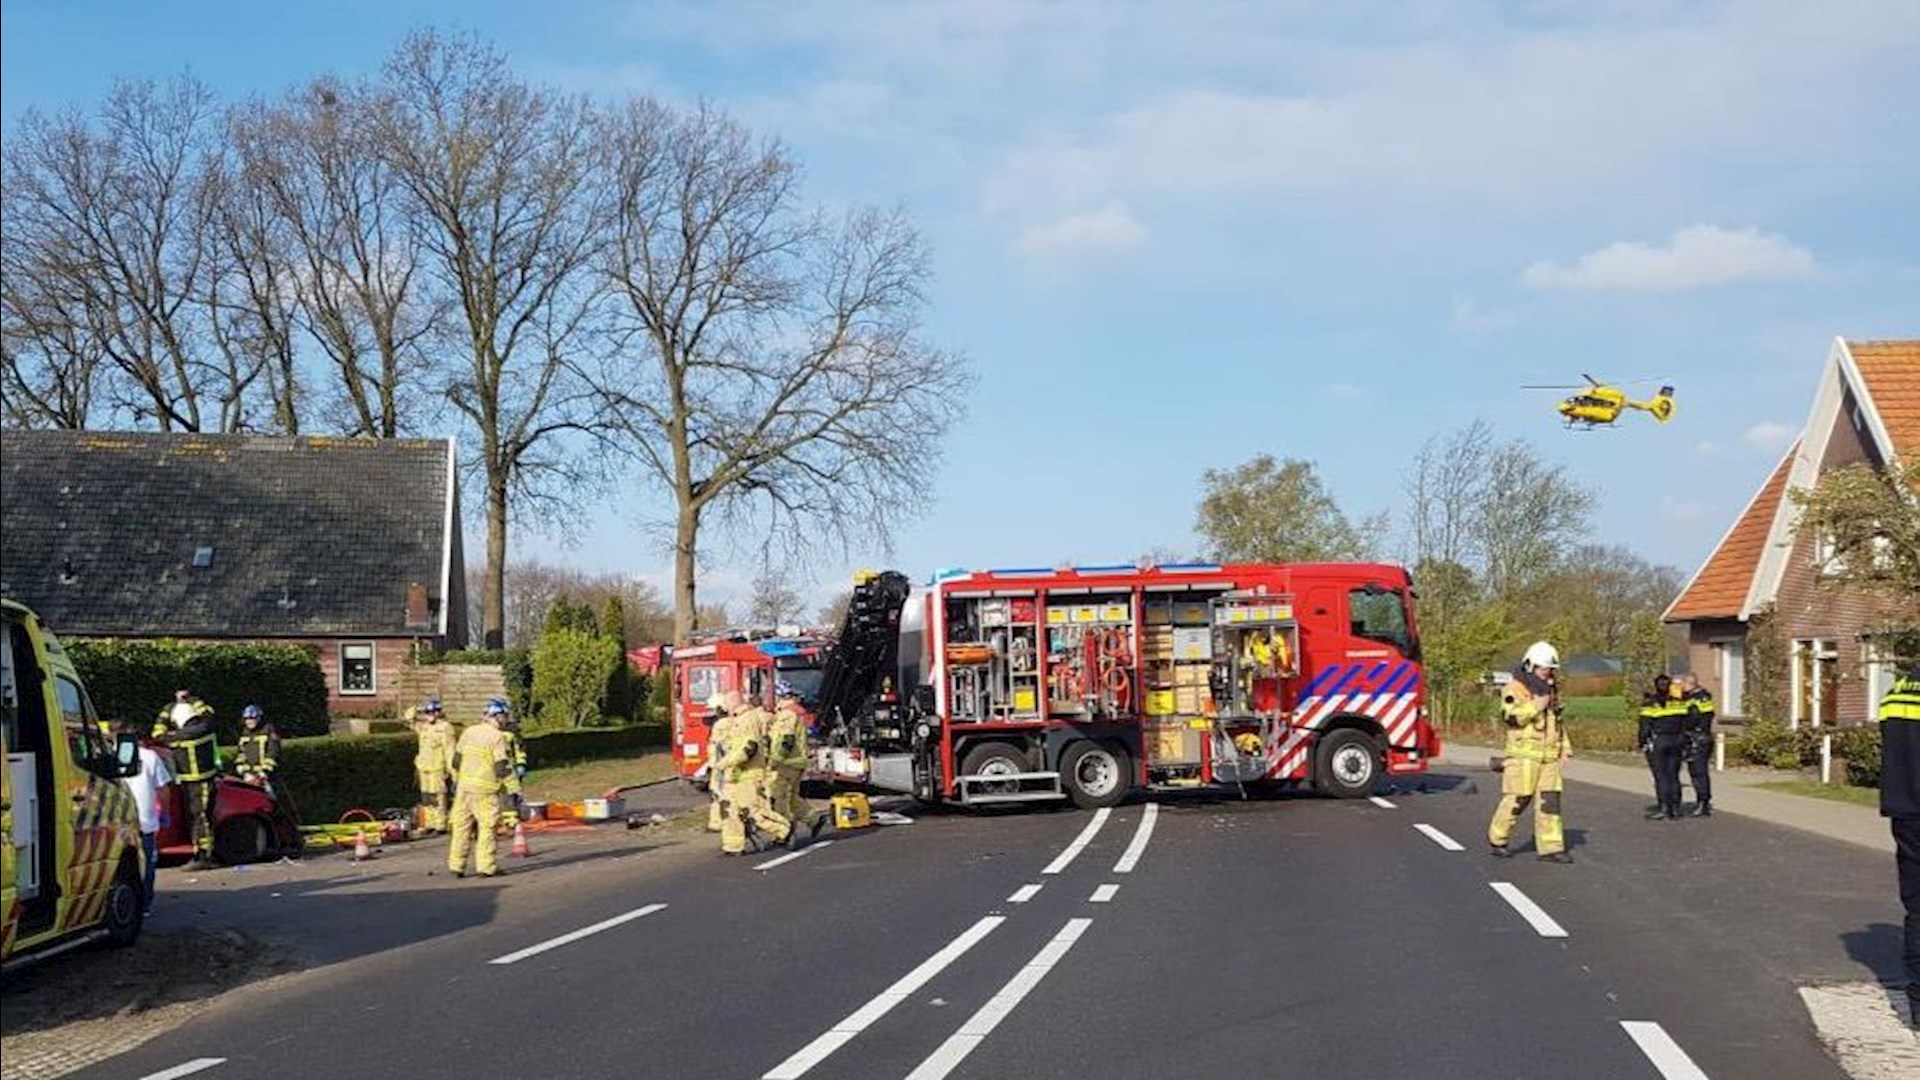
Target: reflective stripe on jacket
1899, 717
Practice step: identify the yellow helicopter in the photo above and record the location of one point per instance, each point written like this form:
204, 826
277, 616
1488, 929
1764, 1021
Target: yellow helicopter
1599, 404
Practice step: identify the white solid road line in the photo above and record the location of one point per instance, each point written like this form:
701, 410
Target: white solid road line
841, 1033
1439, 837
1381, 803
1666, 1055
1140, 837
1080, 842
792, 855
1023, 894
188, 1069
975, 1031
1103, 894
1530, 911
585, 931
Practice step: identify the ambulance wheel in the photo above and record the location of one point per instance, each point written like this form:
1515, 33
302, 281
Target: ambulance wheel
1095, 774
125, 904
1348, 765
242, 840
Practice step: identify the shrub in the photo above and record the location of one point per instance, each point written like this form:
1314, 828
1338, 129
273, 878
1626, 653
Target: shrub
516, 670
1860, 746
1763, 742
660, 696
330, 775
571, 669
554, 748
132, 680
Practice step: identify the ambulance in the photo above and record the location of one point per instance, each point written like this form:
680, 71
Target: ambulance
69, 834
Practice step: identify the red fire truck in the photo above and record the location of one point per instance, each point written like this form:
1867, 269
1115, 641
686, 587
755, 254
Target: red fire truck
743, 662
1089, 683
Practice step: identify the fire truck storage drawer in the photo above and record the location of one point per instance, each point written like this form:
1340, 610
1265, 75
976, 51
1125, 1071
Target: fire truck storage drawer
1173, 742
1191, 674
1191, 700
1160, 702
1190, 613
1192, 643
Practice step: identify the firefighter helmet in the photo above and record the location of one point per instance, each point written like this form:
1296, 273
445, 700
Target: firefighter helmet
251, 712
497, 707
1541, 654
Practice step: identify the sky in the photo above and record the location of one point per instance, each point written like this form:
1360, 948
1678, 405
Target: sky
1173, 236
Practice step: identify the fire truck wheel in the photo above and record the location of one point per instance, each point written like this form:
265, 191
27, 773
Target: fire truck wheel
121, 919
994, 759
242, 840
1095, 774
1348, 765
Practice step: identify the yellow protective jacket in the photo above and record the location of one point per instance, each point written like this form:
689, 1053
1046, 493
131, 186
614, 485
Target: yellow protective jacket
746, 740
787, 740
1531, 708
482, 764
435, 753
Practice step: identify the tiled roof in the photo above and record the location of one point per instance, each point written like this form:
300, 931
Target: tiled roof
1719, 590
308, 536
1891, 370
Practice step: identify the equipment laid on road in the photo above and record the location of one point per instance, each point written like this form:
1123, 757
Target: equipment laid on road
1088, 683
520, 849
71, 870
851, 811
1599, 404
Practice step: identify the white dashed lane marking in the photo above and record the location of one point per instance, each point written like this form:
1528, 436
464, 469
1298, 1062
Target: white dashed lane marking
1140, 837
792, 855
1023, 894
1383, 804
981, 1024
1065, 858
585, 931
1530, 911
187, 1069
1439, 837
1103, 894
1666, 1055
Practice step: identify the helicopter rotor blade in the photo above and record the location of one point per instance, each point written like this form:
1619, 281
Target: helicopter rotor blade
1554, 387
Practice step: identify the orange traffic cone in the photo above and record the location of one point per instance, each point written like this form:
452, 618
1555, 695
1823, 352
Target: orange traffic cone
520, 848
361, 853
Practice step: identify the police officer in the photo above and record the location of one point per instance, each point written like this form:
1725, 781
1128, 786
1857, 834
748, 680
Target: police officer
787, 764
1536, 747
483, 770
1900, 800
259, 751
186, 728
747, 822
1698, 702
432, 762
1661, 738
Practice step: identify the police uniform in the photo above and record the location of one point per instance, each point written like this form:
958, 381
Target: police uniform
1536, 742
483, 770
1899, 717
1662, 736
1700, 714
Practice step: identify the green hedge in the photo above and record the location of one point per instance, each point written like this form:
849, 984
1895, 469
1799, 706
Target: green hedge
132, 680
1860, 746
331, 775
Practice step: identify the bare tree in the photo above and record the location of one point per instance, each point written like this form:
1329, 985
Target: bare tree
774, 602
51, 364
362, 295
251, 292
497, 172
768, 367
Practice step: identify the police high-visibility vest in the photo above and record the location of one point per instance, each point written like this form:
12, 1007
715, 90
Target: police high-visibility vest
1903, 701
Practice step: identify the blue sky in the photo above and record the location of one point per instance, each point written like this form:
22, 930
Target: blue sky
1172, 236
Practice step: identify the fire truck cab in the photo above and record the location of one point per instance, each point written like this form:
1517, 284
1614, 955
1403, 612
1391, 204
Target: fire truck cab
752, 666
70, 862
1089, 683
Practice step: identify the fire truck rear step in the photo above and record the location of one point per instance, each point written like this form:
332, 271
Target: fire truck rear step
1052, 790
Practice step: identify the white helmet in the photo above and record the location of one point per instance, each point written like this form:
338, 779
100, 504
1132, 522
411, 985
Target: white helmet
1541, 655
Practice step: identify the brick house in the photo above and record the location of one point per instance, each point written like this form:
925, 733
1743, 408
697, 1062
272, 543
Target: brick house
1866, 409
350, 547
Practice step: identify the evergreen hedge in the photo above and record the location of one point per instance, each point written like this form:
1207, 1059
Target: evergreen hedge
133, 680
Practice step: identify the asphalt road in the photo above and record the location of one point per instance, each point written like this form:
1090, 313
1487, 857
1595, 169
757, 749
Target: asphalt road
1294, 937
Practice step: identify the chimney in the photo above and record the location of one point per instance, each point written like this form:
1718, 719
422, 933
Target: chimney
419, 615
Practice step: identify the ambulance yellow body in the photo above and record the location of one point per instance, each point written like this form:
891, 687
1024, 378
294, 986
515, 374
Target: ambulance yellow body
70, 863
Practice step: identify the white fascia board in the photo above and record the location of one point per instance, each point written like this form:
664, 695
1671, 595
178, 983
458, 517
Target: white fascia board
1805, 473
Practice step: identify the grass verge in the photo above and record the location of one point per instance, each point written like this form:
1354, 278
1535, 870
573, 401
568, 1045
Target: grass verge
1846, 793
592, 779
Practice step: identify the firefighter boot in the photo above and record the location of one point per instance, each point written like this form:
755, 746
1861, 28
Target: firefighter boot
733, 830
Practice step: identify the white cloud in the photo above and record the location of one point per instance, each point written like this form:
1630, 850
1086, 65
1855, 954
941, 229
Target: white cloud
1770, 434
1695, 257
1706, 448
1110, 230
1468, 317
1683, 511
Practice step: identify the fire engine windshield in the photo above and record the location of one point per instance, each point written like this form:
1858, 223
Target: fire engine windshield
1377, 615
804, 680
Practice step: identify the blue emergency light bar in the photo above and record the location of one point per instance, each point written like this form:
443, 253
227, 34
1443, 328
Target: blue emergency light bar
777, 647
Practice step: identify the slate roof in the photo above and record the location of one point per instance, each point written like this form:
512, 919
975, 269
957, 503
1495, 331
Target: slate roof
310, 536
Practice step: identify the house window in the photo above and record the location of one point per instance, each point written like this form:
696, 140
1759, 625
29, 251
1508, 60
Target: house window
356, 668
1880, 674
1730, 660
1816, 682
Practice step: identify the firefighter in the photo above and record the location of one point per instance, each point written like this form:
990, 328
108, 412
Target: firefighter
432, 762
259, 752
1698, 703
716, 751
746, 821
1899, 717
483, 771
1663, 723
186, 728
1536, 748
787, 761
